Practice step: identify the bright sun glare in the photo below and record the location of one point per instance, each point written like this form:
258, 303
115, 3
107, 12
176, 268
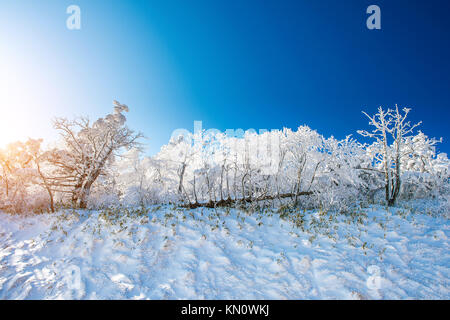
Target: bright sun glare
17, 100
11, 119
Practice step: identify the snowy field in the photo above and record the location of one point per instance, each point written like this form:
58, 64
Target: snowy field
171, 253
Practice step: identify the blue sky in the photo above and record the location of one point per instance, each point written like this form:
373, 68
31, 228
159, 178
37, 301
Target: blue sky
231, 64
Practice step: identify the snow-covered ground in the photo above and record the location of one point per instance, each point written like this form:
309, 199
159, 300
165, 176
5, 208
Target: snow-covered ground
171, 253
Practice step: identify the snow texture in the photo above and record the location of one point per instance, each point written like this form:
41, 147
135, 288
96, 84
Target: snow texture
170, 253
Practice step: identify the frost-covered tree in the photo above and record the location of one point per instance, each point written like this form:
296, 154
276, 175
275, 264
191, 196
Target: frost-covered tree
32, 149
23, 179
88, 149
16, 176
391, 130
305, 155
179, 152
137, 180
425, 172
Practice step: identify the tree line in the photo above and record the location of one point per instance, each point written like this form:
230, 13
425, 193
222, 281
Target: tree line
101, 164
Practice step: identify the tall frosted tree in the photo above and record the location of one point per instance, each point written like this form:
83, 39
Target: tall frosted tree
391, 130
88, 149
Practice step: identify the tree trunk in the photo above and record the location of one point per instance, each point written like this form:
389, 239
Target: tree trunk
47, 186
180, 186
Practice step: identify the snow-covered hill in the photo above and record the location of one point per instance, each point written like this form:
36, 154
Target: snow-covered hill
171, 253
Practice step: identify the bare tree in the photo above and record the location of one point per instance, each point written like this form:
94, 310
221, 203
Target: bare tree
16, 175
88, 150
33, 149
390, 125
